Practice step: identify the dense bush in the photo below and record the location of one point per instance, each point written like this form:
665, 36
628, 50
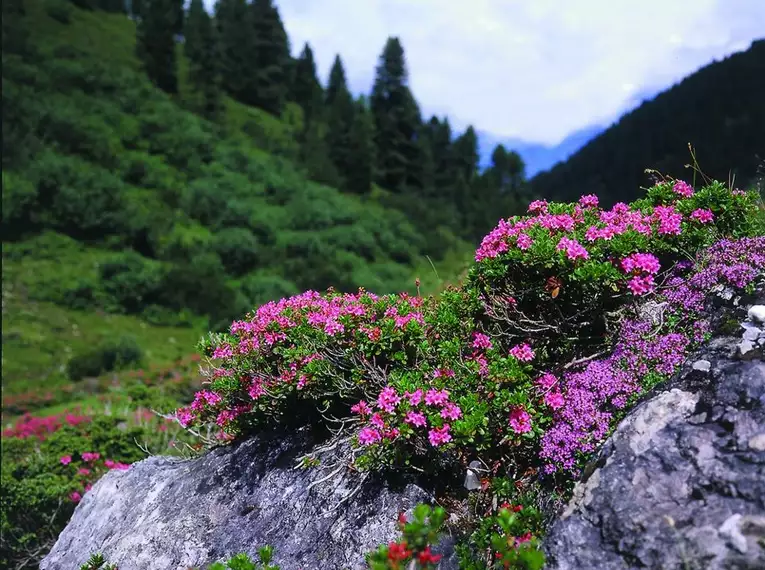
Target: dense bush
132, 281
238, 249
110, 355
527, 365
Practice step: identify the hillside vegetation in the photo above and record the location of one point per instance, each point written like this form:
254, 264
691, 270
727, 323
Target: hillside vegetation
118, 198
719, 110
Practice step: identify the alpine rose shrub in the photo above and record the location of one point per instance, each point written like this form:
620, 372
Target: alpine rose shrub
489, 369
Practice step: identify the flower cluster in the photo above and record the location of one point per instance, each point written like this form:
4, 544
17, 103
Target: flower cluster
474, 370
591, 397
88, 469
41, 427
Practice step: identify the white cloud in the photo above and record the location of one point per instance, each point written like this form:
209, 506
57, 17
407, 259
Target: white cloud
533, 69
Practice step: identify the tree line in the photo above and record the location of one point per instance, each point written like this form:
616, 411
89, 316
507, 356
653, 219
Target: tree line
353, 143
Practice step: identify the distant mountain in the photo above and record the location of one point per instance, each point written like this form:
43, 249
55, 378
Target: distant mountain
537, 157
719, 110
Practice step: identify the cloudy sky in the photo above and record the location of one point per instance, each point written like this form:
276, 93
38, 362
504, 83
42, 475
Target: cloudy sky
530, 69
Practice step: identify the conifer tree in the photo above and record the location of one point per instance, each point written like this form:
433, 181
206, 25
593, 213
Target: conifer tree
340, 117
115, 6
156, 42
464, 169
396, 119
234, 46
306, 88
201, 49
362, 156
270, 58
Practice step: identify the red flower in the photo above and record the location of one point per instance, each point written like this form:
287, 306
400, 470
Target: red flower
427, 557
402, 519
398, 552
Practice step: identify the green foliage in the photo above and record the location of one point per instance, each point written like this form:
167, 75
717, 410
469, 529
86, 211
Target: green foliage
112, 355
59, 10
160, 21
131, 281
412, 550
97, 562
261, 287
244, 562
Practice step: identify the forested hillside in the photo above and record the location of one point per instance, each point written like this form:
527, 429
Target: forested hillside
719, 110
208, 171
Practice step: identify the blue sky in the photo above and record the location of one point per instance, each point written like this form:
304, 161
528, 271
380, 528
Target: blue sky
535, 70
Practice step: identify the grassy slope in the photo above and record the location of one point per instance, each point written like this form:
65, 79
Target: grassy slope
40, 334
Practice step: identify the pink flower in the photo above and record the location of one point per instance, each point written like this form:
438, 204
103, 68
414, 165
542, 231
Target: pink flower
415, 419
669, 220
75, 496
520, 420
256, 389
640, 285
415, 397
438, 436
369, 436
88, 456
184, 416
589, 201
683, 189
362, 408
439, 372
388, 399
481, 340
436, 397
333, 327
554, 400
377, 421
738, 193
451, 411
66, 460
225, 417
641, 263
573, 249
538, 206
522, 352
524, 242
547, 380
83, 471
223, 351
702, 216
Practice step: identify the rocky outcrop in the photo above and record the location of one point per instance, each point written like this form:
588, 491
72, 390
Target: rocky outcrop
681, 483
165, 514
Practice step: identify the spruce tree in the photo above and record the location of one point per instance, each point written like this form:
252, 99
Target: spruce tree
340, 118
396, 119
464, 167
362, 150
201, 48
270, 58
156, 42
115, 6
337, 81
234, 46
306, 89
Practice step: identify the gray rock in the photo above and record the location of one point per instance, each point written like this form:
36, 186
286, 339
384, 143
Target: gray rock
680, 484
752, 334
747, 349
167, 514
702, 366
756, 313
